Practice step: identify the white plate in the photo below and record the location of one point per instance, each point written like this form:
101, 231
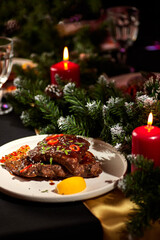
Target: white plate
114, 167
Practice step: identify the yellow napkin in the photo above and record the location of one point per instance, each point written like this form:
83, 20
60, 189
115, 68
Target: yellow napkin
112, 210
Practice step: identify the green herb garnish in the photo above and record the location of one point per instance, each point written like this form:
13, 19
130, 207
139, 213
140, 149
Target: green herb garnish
44, 191
50, 160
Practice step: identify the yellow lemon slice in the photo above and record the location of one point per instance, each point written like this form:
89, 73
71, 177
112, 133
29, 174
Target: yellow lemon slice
71, 185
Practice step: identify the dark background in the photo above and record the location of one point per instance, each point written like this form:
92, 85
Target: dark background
29, 14
149, 29
149, 34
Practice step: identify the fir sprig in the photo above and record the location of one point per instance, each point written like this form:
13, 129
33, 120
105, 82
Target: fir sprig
76, 98
103, 89
143, 188
71, 125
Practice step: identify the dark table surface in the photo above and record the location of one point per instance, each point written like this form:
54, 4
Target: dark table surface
25, 219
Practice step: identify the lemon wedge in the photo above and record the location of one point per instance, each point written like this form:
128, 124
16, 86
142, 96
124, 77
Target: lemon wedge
71, 185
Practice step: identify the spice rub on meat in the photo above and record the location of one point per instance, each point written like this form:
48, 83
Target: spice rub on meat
57, 156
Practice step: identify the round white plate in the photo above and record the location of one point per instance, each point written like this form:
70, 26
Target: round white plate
114, 167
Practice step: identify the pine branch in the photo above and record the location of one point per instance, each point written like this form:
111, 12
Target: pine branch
77, 106
49, 109
143, 188
48, 129
104, 89
71, 125
32, 117
76, 99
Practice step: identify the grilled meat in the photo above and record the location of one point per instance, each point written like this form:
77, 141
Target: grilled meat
66, 150
25, 168
57, 156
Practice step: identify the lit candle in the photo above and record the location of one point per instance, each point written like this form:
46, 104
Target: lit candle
65, 69
146, 142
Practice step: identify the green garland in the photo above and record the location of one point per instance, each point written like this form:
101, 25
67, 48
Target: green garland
100, 111
143, 188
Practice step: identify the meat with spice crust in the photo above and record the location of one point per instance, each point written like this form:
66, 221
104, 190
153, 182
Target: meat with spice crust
57, 156
25, 168
66, 150
88, 167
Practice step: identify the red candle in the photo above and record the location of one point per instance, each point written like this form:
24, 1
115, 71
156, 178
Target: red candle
146, 142
65, 69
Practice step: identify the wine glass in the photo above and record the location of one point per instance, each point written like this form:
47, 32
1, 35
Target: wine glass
6, 54
123, 25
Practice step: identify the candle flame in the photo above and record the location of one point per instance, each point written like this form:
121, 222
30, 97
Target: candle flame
65, 54
150, 119
65, 65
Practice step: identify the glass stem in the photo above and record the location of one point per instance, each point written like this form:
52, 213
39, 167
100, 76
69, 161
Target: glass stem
1, 94
122, 56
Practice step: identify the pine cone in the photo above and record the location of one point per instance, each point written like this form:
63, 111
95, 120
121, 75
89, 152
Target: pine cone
54, 91
11, 26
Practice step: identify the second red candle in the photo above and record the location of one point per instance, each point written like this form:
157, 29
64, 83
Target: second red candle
146, 142
66, 70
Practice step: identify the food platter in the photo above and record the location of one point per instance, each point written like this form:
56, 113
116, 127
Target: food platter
113, 163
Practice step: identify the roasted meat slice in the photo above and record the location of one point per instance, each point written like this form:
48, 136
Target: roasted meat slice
56, 156
25, 168
66, 150
89, 166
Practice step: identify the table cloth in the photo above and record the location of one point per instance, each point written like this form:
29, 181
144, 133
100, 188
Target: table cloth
22, 219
